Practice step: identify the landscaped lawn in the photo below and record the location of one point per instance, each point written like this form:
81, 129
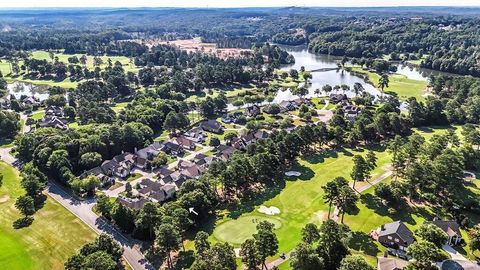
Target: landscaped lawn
399, 84
55, 234
299, 200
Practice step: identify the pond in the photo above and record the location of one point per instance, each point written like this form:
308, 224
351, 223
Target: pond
320, 78
19, 89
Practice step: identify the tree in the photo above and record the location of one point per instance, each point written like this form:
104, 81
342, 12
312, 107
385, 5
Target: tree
104, 206
383, 82
310, 233
425, 254
182, 221
201, 243
249, 255
9, 124
90, 160
147, 220
474, 235
266, 241
358, 88
371, 160
168, 240
175, 121
346, 200
218, 257
331, 246
327, 88
160, 160
332, 191
304, 257
360, 170
432, 233
99, 260
354, 262
26, 205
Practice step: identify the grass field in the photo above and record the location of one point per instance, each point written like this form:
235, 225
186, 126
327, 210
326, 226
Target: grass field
55, 234
399, 84
299, 200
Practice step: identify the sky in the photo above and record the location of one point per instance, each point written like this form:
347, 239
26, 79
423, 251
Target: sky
231, 3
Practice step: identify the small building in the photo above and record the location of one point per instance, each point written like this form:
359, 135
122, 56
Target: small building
337, 98
32, 101
224, 152
211, 126
147, 154
135, 203
252, 111
391, 264
185, 143
286, 106
53, 122
54, 111
172, 148
395, 235
451, 228
196, 134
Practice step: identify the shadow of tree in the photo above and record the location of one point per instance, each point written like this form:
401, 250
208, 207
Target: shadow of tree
185, 260
360, 241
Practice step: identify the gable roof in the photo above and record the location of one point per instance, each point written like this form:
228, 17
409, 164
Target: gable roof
448, 226
391, 264
397, 227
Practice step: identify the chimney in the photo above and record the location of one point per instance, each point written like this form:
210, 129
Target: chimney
382, 228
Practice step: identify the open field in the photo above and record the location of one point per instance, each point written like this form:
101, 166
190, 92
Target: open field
55, 234
399, 84
299, 199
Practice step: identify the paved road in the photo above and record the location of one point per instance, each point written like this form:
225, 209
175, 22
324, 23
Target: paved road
83, 210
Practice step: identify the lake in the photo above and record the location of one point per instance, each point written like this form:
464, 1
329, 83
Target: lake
18, 89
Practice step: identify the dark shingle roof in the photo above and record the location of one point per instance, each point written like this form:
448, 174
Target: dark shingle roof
397, 227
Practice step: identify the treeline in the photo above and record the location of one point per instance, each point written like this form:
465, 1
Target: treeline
451, 45
61, 155
195, 71
456, 101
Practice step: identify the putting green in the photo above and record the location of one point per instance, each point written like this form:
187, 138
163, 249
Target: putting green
236, 231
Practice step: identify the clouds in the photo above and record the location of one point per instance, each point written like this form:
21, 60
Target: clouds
231, 3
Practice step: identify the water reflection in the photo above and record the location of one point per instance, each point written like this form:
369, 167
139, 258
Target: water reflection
19, 89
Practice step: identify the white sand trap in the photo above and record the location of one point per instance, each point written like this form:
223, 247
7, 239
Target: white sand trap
293, 173
271, 211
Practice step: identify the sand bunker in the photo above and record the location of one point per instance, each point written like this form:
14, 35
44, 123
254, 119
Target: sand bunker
271, 211
4, 199
293, 173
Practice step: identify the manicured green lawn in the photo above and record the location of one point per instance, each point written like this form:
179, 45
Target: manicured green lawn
399, 84
299, 200
55, 234
133, 177
38, 115
238, 230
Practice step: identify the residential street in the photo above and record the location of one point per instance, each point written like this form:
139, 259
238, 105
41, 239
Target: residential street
83, 210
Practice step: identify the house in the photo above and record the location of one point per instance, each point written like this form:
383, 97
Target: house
451, 228
135, 204
252, 111
53, 122
54, 111
337, 98
249, 138
286, 106
31, 100
120, 166
391, 264
211, 126
196, 134
172, 148
224, 152
155, 190
182, 164
4, 103
185, 143
192, 172
231, 118
351, 111
394, 234
163, 172
301, 101
105, 180
144, 155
